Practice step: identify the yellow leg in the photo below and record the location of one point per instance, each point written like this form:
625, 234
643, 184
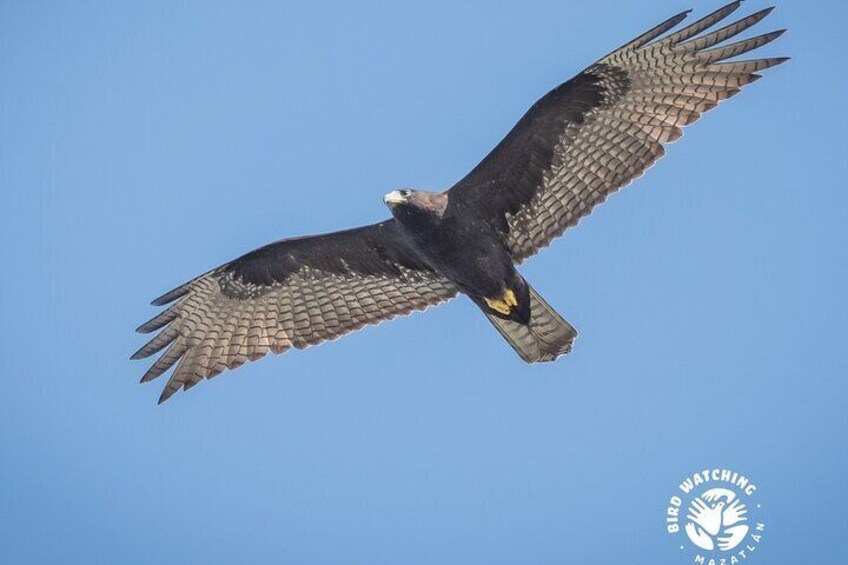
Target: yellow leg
503, 304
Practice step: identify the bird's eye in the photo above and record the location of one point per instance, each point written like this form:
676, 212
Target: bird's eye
405, 193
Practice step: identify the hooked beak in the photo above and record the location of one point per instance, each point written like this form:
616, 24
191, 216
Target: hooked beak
393, 198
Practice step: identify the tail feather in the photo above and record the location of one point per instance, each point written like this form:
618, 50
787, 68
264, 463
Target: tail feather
544, 338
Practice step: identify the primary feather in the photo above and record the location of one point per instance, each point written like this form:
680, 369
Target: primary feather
578, 144
602, 129
293, 293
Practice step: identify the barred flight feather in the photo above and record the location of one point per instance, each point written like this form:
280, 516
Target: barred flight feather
599, 131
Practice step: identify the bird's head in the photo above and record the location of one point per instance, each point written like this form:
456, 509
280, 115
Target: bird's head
413, 202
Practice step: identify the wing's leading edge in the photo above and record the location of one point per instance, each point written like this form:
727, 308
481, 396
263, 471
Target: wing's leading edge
293, 293
602, 129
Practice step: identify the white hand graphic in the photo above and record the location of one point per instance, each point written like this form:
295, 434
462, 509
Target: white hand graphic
708, 518
734, 513
733, 537
716, 493
699, 537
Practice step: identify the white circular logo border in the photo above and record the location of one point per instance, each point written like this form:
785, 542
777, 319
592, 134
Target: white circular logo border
716, 517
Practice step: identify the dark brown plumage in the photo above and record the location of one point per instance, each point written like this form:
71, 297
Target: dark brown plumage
579, 143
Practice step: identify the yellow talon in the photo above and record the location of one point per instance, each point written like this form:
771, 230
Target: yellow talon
503, 304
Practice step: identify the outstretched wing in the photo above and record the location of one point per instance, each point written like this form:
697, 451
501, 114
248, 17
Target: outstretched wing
603, 128
296, 292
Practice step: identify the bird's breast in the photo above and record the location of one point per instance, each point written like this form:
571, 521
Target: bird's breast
467, 255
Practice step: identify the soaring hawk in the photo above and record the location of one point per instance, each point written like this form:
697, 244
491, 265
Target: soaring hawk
579, 143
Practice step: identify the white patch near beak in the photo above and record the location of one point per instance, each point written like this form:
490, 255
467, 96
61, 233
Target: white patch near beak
393, 198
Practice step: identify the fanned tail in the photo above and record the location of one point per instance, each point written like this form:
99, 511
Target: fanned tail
544, 338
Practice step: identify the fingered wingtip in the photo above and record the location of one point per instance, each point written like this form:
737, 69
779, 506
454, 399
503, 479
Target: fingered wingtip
732, 6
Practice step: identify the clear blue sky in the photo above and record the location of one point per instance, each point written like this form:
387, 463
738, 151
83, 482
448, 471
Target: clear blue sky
143, 144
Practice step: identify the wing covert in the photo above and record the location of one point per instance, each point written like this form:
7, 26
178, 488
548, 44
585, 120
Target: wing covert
292, 293
602, 129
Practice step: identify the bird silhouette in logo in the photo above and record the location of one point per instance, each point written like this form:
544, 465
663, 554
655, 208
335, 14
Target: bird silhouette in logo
715, 518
